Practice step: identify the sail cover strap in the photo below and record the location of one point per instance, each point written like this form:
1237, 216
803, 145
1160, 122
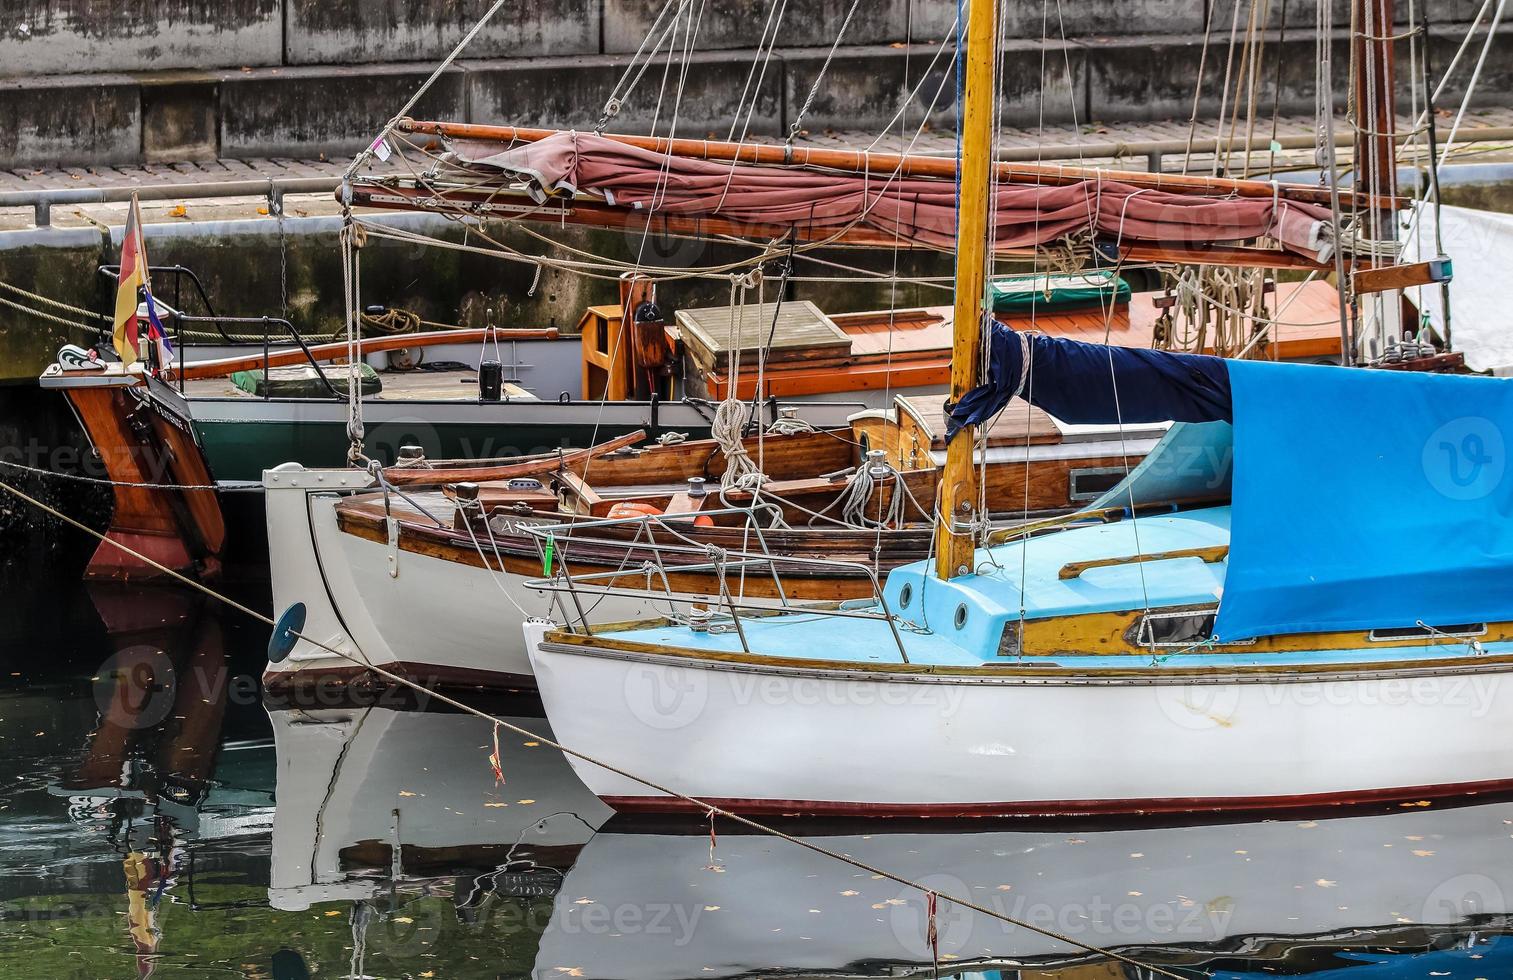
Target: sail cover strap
1093, 384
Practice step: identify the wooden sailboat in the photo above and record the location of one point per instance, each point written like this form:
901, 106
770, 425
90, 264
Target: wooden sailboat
378, 567
1232, 657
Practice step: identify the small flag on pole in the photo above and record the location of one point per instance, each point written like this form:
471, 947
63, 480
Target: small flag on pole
131, 278
155, 330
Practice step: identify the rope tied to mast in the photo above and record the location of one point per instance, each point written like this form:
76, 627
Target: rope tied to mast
728, 427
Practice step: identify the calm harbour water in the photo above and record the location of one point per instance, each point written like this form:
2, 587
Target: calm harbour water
156, 818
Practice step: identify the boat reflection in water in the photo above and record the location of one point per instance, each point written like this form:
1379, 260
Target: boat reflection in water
1411, 893
162, 779
380, 808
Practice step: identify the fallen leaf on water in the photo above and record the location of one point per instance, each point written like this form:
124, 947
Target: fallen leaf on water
572, 971
711, 908
1325, 883
405, 792
333, 912
584, 901
1423, 854
404, 919
850, 891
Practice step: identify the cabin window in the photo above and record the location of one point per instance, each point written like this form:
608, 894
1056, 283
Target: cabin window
1092, 483
905, 596
1010, 643
1176, 629
1457, 630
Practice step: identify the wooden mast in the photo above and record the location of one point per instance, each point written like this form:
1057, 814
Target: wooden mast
1373, 76
954, 540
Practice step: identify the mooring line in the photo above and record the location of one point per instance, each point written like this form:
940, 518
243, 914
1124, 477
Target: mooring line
708, 808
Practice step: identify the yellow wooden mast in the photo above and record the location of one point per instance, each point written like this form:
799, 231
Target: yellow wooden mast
954, 541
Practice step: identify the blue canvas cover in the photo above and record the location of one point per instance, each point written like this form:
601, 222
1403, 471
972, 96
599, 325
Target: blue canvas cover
1095, 384
1367, 499
1190, 465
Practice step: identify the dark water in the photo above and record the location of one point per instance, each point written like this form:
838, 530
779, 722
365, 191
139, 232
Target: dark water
157, 819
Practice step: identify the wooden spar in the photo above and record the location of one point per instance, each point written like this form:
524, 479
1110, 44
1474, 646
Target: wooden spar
419, 476
1373, 76
370, 345
906, 165
582, 212
954, 542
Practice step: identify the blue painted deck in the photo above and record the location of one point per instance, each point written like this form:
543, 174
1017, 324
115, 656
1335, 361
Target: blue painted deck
1028, 572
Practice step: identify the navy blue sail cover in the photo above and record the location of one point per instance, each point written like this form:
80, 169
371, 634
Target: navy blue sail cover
1094, 384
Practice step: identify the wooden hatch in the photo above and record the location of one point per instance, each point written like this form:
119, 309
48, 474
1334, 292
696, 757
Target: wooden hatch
1020, 422
802, 332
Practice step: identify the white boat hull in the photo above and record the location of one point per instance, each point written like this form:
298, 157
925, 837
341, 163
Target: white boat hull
776, 739
437, 623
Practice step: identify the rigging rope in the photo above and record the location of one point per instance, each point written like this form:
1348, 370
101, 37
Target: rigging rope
702, 805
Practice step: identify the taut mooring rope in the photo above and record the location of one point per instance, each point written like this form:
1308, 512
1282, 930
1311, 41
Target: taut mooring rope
709, 808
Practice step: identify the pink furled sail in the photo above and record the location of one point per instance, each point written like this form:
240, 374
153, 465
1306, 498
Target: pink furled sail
920, 210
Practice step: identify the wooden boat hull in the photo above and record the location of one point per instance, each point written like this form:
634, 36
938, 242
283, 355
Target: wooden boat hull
1016, 740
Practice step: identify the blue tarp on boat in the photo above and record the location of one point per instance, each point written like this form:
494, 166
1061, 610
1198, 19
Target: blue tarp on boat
1367, 499
1361, 499
1095, 384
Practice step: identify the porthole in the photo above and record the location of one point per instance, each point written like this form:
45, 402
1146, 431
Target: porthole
961, 615
905, 595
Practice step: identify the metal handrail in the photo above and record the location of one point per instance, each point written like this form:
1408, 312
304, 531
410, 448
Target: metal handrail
178, 272
266, 322
563, 534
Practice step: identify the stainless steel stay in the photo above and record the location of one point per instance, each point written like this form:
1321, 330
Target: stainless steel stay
676, 544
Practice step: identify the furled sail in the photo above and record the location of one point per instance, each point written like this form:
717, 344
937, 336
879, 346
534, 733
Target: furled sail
919, 210
1095, 384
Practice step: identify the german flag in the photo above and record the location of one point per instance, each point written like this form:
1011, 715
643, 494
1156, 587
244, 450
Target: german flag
130, 280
